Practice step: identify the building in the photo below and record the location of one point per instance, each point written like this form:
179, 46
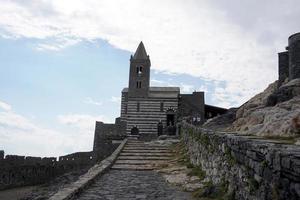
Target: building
152, 111
289, 60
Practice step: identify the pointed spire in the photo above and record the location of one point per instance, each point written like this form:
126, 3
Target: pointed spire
140, 53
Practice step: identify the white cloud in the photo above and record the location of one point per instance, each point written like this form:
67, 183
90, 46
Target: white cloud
198, 38
82, 121
22, 136
5, 106
155, 82
19, 135
186, 88
115, 99
89, 100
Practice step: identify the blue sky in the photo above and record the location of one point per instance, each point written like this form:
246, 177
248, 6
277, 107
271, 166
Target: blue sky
64, 63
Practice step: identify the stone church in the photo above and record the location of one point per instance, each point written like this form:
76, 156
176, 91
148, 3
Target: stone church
152, 111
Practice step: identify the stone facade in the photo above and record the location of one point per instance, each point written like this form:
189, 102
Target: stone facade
251, 168
289, 61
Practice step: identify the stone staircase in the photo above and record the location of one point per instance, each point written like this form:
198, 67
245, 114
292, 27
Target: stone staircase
138, 155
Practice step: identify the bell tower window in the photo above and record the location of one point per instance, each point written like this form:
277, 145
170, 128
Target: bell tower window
139, 70
138, 84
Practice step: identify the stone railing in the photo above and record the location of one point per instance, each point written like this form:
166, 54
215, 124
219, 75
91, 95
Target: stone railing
252, 168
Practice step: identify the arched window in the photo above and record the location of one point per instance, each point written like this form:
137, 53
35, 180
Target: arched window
138, 84
139, 70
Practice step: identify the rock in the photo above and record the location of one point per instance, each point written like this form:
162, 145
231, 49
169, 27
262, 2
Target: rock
284, 93
274, 112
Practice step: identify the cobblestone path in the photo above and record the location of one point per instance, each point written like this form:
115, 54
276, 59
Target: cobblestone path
132, 176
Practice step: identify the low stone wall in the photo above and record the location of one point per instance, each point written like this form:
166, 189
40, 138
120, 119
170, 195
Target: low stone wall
18, 171
253, 169
73, 189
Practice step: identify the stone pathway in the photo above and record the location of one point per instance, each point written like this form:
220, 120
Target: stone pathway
132, 176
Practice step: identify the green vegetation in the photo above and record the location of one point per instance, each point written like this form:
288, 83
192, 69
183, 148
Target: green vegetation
197, 171
230, 159
285, 140
253, 184
214, 192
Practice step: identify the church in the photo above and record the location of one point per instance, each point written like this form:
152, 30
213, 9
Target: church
152, 111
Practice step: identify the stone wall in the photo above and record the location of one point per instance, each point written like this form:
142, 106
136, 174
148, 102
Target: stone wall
105, 135
192, 105
283, 66
18, 171
253, 169
294, 56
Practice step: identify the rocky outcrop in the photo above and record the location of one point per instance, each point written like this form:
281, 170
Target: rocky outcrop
274, 112
221, 122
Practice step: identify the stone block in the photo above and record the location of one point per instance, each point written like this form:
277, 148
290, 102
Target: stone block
286, 162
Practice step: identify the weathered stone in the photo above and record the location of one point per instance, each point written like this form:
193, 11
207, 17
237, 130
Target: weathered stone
265, 163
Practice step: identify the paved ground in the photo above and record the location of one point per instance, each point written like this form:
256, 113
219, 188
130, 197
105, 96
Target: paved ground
129, 185
16, 193
132, 176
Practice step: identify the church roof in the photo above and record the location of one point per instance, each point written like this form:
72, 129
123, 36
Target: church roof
140, 52
161, 92
159, 89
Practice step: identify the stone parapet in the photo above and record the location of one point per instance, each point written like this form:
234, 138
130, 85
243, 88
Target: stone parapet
253, 168
85, 180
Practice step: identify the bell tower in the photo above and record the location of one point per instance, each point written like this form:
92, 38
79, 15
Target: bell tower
139, 74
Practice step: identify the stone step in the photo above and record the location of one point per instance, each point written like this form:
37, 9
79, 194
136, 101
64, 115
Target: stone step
144, 158
146, 154
145, 151
132, 167
140, 162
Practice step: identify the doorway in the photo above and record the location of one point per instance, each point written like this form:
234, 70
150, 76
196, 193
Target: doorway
134, 131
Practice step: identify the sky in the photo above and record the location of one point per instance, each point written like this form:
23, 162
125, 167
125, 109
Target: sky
63, 63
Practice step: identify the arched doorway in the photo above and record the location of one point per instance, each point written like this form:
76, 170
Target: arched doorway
134, 131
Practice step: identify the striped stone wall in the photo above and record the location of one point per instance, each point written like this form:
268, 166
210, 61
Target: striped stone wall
149, 113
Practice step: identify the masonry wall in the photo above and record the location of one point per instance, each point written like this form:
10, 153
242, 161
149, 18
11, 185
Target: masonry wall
146, 113
107, 136
253, 169
294, 56
18, 171
283, 66
192, 105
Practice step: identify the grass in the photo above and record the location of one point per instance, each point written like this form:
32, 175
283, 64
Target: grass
197, 171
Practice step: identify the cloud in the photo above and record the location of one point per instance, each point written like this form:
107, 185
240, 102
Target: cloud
4, 106
82, 121
89, 100
22, 136
115, 99
186, 88
230, 41
19, 135
155, 82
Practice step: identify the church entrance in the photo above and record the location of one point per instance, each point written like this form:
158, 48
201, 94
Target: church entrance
134, 131
171, 127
